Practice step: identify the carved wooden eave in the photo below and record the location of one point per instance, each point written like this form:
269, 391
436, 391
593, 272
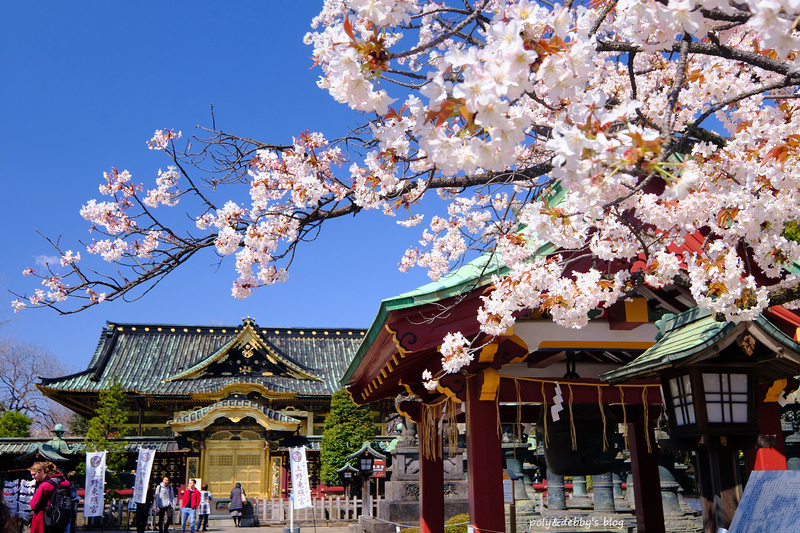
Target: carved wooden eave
234, 410
249, 343
695, 336
82, 403
244, 388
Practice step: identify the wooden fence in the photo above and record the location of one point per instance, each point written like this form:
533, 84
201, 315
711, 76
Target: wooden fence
328, 510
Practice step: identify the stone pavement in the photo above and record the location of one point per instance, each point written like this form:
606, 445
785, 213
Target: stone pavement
225, 525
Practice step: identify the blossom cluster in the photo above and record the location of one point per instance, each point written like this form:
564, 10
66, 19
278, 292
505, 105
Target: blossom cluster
586, 128
162, 138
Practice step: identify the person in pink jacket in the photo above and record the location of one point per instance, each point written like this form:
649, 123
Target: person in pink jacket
46, 476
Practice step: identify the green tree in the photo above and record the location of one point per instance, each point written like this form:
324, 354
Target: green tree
78, 425
791, 230
106, 430
347, 426
15, 424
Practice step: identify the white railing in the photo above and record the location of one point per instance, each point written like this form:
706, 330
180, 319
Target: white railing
327, 510
330, 509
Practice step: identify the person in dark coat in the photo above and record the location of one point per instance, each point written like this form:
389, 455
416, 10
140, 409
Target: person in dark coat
143, 512
237, 502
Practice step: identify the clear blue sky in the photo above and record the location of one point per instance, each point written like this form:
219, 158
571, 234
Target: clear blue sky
85, 85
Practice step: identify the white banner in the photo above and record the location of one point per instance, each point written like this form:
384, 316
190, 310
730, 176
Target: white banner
95, 484
301, 492
143, 467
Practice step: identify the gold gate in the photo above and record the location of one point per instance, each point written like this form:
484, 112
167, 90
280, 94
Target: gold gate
227, 462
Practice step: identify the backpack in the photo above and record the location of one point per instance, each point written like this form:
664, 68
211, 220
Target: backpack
59, 511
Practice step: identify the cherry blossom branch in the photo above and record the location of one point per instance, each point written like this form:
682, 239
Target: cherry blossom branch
444, 36
708, 49
601, 17
526, 123
677, 84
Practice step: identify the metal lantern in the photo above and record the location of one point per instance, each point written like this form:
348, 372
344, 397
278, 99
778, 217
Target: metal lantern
365, 457
347, 472
365, 464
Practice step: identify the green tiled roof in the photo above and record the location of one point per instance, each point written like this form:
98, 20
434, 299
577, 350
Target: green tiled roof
690, 335
21, 446
476, 273
144, 357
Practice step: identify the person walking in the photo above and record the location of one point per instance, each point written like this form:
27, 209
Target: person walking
165, 504
205, 508
143, 513
190, 502
238, 497
47, 477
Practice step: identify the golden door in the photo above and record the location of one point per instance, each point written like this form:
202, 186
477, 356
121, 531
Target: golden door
230, 462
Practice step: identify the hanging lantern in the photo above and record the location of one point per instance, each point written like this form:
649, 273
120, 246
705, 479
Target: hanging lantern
712, 400
580, 443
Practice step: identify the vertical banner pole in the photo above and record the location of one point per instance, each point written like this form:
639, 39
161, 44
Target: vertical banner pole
144, 465
95, 484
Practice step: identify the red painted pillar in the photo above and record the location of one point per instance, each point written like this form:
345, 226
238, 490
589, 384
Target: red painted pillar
484, 462
769, 424
646, 482
431, 494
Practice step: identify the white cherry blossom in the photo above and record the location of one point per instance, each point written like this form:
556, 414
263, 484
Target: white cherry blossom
615, 132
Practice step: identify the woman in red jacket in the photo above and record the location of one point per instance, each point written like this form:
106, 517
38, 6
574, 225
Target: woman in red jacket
41, 472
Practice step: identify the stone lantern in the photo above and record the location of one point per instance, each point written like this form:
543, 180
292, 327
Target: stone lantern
365, 458
714, 376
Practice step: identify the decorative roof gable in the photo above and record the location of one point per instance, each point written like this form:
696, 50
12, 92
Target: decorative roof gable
234, 409
247, 354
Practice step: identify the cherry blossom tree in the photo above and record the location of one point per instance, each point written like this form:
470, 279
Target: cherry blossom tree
617, 132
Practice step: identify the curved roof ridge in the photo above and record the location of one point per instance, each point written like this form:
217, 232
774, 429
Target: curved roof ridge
234, 408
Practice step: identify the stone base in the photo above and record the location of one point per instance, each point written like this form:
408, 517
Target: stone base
580, 502
406, 514
401, 491
687, 524
373, 525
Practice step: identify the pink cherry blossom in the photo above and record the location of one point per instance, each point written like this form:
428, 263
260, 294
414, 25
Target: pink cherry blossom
536, 133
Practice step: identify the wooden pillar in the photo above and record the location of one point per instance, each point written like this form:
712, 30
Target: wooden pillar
706, 491
431, 497
484, 462
723, 463
646, 481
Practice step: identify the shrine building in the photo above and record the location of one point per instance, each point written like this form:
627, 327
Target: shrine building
221, 403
